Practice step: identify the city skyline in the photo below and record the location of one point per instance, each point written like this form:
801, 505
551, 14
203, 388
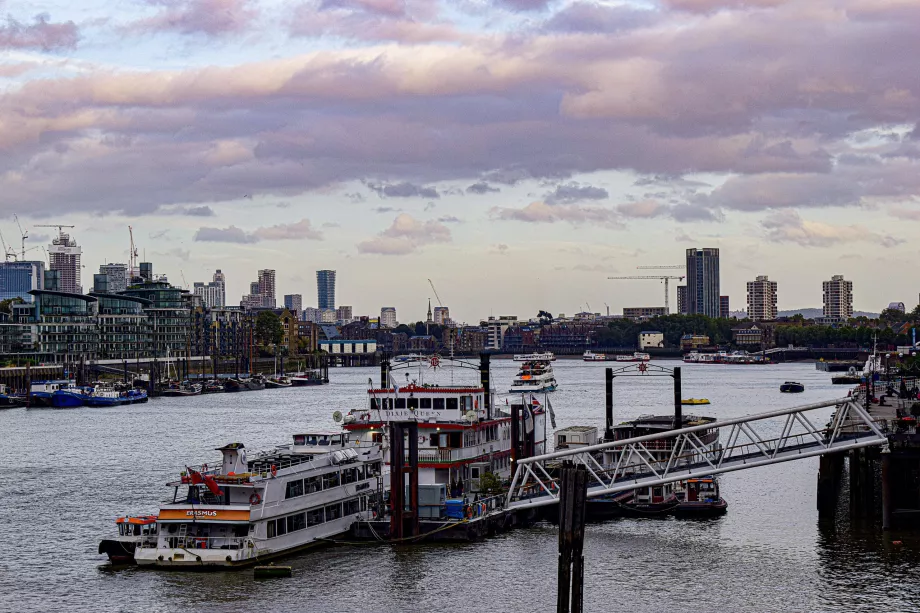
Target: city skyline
811, 161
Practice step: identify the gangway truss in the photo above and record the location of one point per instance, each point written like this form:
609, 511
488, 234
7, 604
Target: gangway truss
755, 440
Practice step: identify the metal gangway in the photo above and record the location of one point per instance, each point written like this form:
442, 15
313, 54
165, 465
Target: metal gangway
756, 440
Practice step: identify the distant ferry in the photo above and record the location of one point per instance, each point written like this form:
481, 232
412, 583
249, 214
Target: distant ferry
546, 356
724, 357
590, 356
635, 357
535, 375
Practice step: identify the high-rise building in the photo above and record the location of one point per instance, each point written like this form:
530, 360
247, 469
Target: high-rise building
211, 293
17, 279
724, 308
254, 288
761, 299
293, 303
388, 317
703, 297
117, 277
441, 315
838, 298
344, 314
682, 299
311, 314
220, 280
267, 288
325, 289
64, 255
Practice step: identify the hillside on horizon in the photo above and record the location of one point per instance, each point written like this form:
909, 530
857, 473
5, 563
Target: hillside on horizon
812, 313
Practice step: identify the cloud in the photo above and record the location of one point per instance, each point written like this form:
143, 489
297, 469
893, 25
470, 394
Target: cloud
709, 6
190, 211
208, 17
403, 190
522, 5
40, 238
499, 249
590, 17
649, 208
406, 235
788, 227
175, 252
295, 231
573, 192
372, 20
481, 187
540, 212
642, 209
386, 209
158, 234
41, 34
905, 213
450, 219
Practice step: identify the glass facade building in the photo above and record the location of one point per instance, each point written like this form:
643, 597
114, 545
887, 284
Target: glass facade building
703, 282
325, 289
17, 279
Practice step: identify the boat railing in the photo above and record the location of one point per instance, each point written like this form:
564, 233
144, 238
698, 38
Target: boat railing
200, 542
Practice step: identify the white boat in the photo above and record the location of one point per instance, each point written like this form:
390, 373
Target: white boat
692, 358
461, 436
533, 377
590, 356
637, 356
546, 356
273, 503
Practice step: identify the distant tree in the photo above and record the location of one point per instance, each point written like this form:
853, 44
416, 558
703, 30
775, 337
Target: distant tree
890, 316
545, 318
6, 306
268, 330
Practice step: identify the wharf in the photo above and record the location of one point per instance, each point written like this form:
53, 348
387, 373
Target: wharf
440, 530
839, 365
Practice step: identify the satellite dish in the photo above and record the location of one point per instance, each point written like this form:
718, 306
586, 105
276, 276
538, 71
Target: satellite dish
337, 417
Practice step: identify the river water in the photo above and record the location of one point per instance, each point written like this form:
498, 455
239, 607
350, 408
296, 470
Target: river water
67, 474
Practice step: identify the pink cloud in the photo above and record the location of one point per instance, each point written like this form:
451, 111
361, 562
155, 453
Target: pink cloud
406, 235
41, 34
210, 17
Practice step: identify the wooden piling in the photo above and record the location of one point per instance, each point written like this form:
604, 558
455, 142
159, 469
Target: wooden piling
886, 490
572, 503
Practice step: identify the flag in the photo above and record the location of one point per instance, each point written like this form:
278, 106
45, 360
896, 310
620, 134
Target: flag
196, 477
395, 385
528, 420
534, 401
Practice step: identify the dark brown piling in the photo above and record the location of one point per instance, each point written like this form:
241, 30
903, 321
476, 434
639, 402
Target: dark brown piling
571, 575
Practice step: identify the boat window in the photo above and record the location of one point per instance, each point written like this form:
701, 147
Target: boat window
474, 472
467, 403
296, 522
281, 527
412, 403
364, 503
377, 437
337, 440
451, 404
315, 517
424, 403
374, 404
324, 440
349, 475
351, 507
433, 440
271, 529
360, 471
400, 403
294, 489
121, 529
311, 440
312, 484
333, 511
375, 468
388, 404
299, 439
330, 480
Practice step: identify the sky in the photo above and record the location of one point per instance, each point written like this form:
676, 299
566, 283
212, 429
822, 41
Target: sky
515, 152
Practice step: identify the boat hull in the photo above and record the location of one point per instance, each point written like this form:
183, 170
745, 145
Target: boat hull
67, 400
305, 382
275, 384
178, 393
533, 390
702, 509
40, 399
119, 552
105, 402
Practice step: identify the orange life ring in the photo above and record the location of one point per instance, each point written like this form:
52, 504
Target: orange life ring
469, 512
274, 471
255, 498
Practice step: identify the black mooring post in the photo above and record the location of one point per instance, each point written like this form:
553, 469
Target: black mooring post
486, 383
126, 372
384, 370
572, 501
678, 416
608, 405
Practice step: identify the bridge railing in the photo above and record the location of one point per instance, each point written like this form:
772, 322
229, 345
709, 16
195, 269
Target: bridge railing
755, 440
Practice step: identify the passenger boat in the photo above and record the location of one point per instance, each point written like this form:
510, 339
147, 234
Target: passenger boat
40, 391
658, 499
181, 389
534, 376
70, 397
304, 379
248, 510
694, 401
106, 396
463, 435
637, 356
792, 387
700, 498
275, 382
546, 356
590, 356
132, 532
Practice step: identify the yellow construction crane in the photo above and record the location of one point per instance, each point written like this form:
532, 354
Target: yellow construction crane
665, 278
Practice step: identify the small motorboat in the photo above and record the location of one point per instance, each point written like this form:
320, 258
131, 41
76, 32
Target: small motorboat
791, 387
136, 396
213, 387
183, 389
695, 401
105, 396
700, 498
306, 378
256, 382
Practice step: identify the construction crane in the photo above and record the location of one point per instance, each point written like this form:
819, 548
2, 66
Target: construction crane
24, 235
608, 309
435, 292
445, 323
659, 267
665, 278
59, 226
132, 256
184, 282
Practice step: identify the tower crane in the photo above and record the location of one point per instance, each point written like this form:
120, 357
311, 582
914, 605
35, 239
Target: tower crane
435, 292
665, 278
659, 267
608, 309
446, 324
59, 226
24, 235
132, 256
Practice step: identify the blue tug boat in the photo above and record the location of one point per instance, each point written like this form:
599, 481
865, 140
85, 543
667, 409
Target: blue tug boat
71, 397
41, 391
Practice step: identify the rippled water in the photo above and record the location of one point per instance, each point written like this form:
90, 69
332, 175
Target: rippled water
68, 473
